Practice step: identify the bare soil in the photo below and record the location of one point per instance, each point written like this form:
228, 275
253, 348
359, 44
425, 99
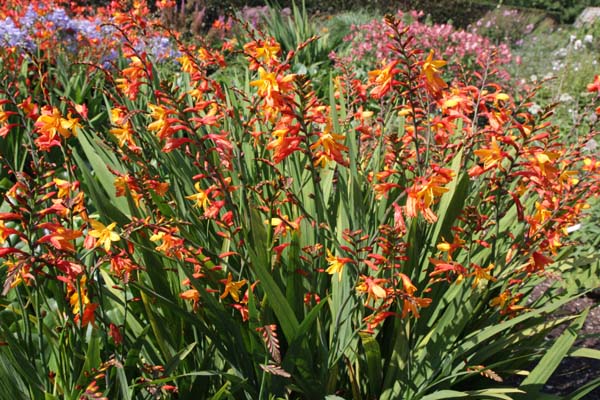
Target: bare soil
575, 372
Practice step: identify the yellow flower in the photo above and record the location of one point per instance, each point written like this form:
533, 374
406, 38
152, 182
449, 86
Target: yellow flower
74, 299
266, 83
267, 52
63, 187
383, 79
336, 265
482, 273
52, 123
431, 70
491, 156
233, 288
201, 198
104, 234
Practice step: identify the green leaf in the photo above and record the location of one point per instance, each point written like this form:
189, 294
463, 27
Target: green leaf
478, 337
92, 358
585, 352
276, 299
536, 379
445, 394
99, 198
180, 356
584, 390
126, 392
99, 159
373, 356
500, 393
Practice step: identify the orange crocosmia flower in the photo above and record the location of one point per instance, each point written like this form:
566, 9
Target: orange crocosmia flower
491, 156
450, 248
595, 86
265, 51
190, 294
122, 131
272, 86
543, 162
407, 284
51, 124
431, 70
122, 266
457, 103
500, 99
542, 213
193, 295
29, 108
332, 147
568, 177
104, 235
133, 77
283, 225
210, 118
448, 267
5, 114
383, 79
538, 262
233, 288
372, 287
188, 64
382, 189
411, 303
126, 184
374, 320
75, 299
482, 273
422, 195
164, 4
161, 122
89, 315
64, 187
266, 82
5, 232
18, 272
171, 245
161, 188
501, 300
211, 57
59, 236
285, 143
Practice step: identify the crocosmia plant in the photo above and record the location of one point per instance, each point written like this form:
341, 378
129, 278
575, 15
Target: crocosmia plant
200, 223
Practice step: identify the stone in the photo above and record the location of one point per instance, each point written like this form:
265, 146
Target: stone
587, 16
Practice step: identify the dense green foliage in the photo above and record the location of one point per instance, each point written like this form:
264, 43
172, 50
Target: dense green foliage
244, 218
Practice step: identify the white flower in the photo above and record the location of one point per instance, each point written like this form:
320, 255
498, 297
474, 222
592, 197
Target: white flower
535, 108
557, 65
590, 145
588, 39
562, 52
578, 44
565, 98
